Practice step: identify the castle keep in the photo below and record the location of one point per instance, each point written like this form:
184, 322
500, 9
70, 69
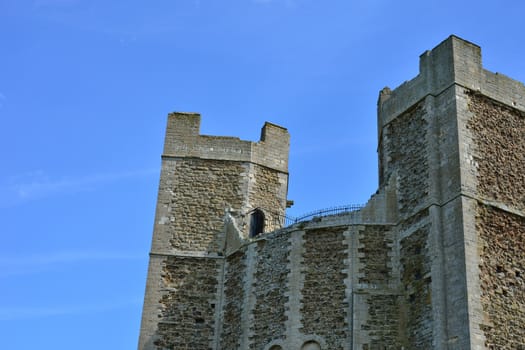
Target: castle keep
434, 260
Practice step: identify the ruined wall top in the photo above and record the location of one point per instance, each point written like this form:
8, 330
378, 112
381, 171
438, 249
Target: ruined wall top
453, 61
184, 140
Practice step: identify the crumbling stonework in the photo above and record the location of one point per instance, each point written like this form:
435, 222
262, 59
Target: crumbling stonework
187, 303
502, 275
324, 303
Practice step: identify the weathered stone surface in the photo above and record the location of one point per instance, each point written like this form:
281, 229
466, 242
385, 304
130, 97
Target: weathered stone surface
502, 275
324, 303
196, 223
266, 193
233, 295
383, 322
187, 315
376, 249
500, 146
271, 272
375, 276
407, 158
416, 281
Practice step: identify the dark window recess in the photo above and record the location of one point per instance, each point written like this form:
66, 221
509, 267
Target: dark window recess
256, 222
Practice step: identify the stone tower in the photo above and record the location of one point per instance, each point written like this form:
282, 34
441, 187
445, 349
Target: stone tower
453, 140
434, 260
210, 188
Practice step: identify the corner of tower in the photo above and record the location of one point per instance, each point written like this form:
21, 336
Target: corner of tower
273, 147
182, 130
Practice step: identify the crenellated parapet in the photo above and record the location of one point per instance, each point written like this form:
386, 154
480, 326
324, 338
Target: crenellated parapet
183, 139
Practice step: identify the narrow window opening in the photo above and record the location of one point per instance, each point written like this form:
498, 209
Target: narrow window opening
256, 223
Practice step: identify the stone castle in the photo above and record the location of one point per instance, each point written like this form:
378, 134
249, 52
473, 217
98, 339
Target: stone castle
434, 260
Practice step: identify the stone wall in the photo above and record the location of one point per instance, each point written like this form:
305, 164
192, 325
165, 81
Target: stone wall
270, 286
195, 223
324, 305
500, 146
416, 285
375, 254
188, 303
266, 192
383, 323
233, 296
375, 250
502, 275
405, 150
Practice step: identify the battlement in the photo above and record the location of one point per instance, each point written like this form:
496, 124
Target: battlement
183, 139
453, 61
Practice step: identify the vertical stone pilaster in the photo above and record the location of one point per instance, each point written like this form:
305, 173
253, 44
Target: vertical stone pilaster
472, 255
349, 265
439, 282
359, 304
249, 299
215, 345
151, 312
295, 286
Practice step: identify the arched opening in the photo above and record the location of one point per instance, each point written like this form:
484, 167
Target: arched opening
276, 347
256, 222
311, 345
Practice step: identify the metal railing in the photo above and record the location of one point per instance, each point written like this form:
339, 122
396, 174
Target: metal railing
281, 221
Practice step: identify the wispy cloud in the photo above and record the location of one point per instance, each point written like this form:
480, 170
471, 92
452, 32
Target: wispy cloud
37, 185
28, 313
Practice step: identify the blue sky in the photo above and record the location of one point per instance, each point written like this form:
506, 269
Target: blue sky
85, 87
